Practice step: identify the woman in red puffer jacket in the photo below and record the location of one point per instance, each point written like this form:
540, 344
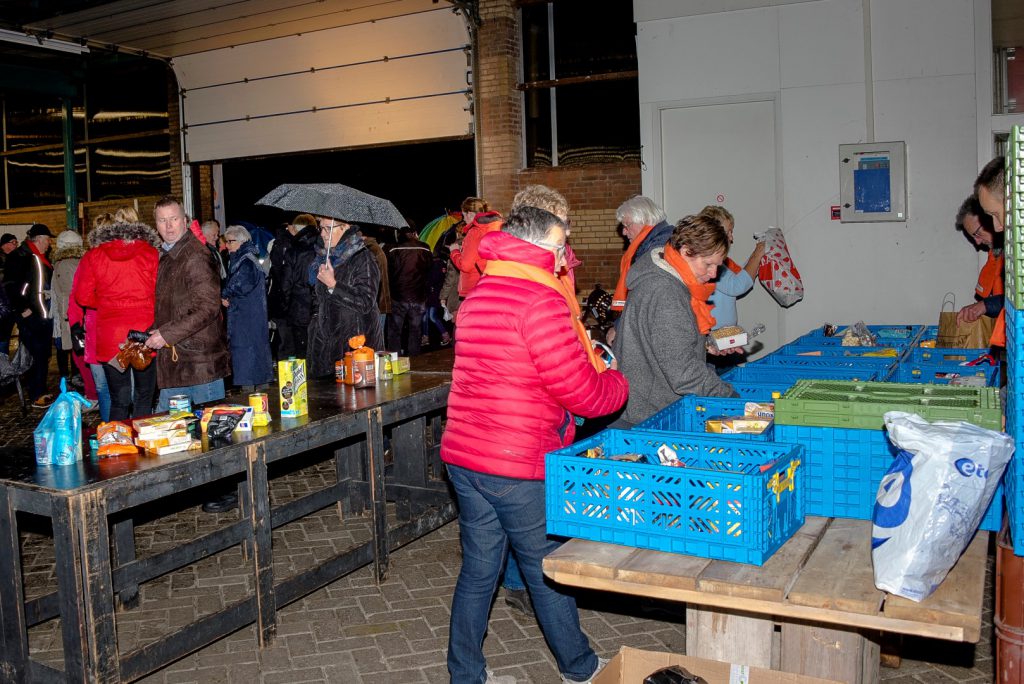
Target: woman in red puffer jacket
466, 254
117, 278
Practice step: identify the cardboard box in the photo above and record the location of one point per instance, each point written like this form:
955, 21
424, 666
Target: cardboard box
291, 382
631, 666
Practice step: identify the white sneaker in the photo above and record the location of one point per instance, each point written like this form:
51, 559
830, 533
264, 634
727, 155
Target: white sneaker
499, 679
601, 662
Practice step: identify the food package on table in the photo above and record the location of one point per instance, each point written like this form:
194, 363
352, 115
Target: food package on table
858, 335
114, 438
733, 425
223, 419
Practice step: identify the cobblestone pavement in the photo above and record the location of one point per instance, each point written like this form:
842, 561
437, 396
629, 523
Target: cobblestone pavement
354, 631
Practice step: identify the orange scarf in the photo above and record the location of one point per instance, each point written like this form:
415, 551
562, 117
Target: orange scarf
619, 298
699, 292
513, 269
732, 265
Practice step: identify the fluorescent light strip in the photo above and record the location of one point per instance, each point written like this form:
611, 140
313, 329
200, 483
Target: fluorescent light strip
46, 43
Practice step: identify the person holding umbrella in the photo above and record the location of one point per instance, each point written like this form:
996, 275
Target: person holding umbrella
345, 278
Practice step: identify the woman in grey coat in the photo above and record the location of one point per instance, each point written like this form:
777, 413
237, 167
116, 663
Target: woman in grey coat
66, 258
662, 343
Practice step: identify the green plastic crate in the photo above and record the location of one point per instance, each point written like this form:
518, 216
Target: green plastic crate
832, 403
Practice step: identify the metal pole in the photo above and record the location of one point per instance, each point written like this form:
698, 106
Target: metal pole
70, 187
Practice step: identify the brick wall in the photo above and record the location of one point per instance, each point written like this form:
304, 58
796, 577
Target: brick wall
594, 191
174, 129
204, 196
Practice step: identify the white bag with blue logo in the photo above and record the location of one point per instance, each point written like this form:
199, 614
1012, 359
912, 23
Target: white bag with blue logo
932, 499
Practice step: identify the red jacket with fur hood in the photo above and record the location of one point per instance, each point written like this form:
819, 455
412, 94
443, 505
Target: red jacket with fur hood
520, 373
117, 277
468, 259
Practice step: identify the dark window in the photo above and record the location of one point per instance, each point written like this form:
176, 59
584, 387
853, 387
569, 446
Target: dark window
579, 82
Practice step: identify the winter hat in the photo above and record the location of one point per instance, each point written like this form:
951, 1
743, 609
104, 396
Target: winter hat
67, 239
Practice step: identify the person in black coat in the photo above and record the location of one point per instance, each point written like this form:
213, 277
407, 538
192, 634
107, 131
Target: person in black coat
27, 273
245, 296
408, 269
277, 296
297, 292
344, 296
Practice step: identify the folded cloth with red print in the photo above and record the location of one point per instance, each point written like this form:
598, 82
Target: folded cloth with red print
777, 272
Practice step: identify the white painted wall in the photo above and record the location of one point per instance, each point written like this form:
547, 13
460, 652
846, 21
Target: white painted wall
842, 71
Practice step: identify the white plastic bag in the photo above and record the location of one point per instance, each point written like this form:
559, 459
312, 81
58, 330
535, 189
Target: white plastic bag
776, 271
932, 500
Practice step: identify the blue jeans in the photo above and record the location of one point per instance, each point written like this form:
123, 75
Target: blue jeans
197, 394
494, 512
513, 580
99, 376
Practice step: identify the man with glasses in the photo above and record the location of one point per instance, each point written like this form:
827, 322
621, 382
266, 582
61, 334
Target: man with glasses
972, 220
188, 331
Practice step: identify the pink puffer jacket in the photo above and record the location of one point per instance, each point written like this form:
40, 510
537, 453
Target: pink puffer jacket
521, 373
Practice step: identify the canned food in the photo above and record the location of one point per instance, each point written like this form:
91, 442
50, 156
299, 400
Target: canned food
180, 405
339, 371
260, 404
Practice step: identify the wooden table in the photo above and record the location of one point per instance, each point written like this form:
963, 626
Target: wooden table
811, 609
91, 505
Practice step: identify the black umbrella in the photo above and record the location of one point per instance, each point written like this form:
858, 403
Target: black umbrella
336, 201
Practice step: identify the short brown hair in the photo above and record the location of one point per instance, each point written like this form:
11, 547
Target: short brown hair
303, 220
699, 235
475, 205
166, 201
993, 178
542, 197
719, 213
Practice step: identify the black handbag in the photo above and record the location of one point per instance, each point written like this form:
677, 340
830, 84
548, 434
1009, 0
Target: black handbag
78, 338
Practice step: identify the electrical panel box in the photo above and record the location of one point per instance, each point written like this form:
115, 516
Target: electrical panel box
873, 182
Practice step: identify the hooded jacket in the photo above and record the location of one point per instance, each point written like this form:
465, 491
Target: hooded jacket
468, 259
658, 345
65, 264
189, 316
117, 277
520, 372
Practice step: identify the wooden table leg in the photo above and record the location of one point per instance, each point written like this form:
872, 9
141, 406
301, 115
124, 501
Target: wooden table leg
408, 443
124, 552
13, 630
257, 494
732, 637
85, 586
349, 467
378, 503
820, 651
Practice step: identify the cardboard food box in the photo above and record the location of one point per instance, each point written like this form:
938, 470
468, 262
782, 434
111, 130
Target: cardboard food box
632, 665
291, 379
729, 337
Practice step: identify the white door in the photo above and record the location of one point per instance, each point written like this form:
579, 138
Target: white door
725, 154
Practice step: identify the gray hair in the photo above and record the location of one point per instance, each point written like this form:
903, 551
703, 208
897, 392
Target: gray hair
640, 209
238, 233
531, 224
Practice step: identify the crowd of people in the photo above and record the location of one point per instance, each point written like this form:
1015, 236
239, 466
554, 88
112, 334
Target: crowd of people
526, 372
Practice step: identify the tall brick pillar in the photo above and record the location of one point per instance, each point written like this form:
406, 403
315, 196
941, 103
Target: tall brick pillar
594, 191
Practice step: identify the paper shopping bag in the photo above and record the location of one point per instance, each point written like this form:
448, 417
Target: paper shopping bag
974, 335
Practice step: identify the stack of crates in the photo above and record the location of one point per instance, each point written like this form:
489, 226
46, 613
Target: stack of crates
840, 425
1014, 287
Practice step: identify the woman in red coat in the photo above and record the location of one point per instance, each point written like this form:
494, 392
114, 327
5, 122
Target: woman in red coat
117, 277
466, 254
523, 369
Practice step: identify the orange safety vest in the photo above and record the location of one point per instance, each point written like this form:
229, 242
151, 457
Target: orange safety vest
990, 280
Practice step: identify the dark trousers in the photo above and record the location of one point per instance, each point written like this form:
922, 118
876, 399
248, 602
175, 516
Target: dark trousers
37, 335
6, 329
409, 316
123, 405
291, 340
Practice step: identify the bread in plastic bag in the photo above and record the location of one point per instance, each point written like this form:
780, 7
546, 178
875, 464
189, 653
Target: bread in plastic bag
58, 437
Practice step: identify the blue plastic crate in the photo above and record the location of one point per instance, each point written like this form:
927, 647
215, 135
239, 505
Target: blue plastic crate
845, 467
810, 364
690, 413
766, 374
903, 333
812, 350
943, 355
930, 333
759, 391
943, 373
735, 499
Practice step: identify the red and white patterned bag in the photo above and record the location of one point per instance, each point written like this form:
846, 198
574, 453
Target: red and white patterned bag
777, 272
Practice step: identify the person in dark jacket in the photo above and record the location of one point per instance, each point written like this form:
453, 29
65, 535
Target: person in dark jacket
189, 336
435, 282
408, 268
8, 243
345, 278
245, 296
298, 292
277, 297
27, 275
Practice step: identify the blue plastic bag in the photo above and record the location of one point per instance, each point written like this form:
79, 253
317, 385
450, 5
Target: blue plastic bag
58, 437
